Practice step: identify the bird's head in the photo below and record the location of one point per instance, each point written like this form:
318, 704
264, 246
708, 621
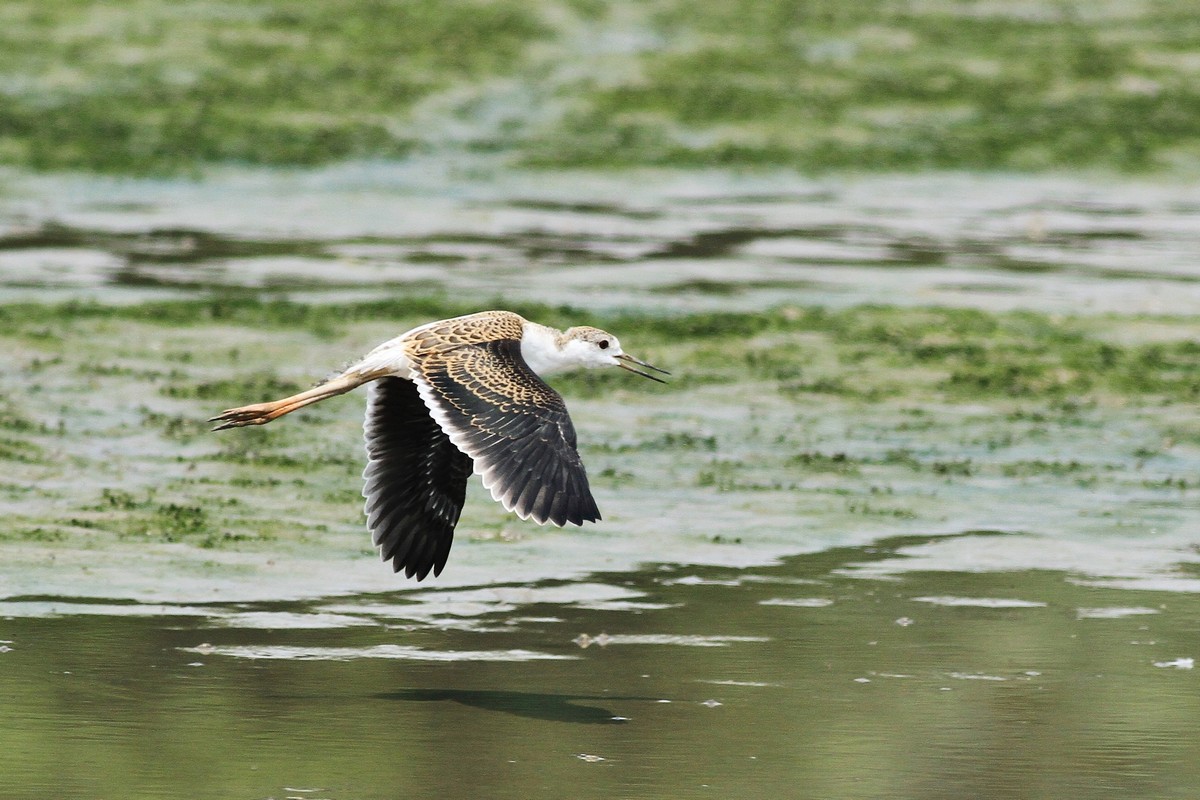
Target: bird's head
592, 347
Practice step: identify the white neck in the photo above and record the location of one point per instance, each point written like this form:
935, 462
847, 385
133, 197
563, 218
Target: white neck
539, 348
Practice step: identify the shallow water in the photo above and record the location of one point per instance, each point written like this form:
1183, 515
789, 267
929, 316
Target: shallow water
812, 678
826, 569
682, 241
736, 463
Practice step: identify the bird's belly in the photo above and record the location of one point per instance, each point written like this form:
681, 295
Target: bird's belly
389, 358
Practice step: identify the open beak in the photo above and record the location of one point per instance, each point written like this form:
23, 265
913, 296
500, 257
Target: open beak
626, 360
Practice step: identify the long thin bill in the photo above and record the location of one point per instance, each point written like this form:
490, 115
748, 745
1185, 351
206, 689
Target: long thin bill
637, 371
627, 357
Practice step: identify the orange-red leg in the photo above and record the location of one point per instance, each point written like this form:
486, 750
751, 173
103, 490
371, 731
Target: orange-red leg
262, 413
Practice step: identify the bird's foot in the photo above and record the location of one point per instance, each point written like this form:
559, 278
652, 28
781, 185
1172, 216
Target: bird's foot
256, 414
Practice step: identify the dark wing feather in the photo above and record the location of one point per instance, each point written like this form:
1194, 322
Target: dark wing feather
415, 480
515, 428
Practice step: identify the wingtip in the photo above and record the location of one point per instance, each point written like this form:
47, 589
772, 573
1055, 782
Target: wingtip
580, 517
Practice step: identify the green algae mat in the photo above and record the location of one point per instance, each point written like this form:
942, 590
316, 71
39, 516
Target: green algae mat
163, 87
1015, 364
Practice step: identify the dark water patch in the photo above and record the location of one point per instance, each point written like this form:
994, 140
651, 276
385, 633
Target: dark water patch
718, 288
718, 243
585, 208
918, 252
192, 259
418, 256
1115, 234
157, 246
1134, 275
553, 248
1097, 208
573, 709
981, 288
1023, 266
532, 245
972, 681
768, 198
702, 286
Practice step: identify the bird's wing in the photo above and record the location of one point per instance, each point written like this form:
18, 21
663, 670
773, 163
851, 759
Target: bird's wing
415, 480
516, 429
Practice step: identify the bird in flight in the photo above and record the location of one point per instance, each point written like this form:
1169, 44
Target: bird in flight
458, 396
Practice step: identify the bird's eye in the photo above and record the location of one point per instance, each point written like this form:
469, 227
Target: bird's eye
602, 344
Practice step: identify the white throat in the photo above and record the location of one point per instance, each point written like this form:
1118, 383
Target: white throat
539, 348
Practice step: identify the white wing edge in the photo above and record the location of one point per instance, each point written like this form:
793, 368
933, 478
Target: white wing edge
458, 438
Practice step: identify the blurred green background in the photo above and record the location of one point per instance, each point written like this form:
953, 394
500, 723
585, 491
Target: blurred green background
158, 86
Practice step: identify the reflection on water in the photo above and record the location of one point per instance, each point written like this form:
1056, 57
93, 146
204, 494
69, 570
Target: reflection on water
814, 678
534, 705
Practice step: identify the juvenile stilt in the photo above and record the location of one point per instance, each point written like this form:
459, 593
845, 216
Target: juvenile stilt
458, 396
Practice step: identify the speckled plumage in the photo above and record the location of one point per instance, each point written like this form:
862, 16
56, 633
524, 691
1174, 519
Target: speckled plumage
472, 329
456, 396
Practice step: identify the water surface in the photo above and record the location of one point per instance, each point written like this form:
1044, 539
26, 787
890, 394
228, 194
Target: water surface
916, 516
812, 678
